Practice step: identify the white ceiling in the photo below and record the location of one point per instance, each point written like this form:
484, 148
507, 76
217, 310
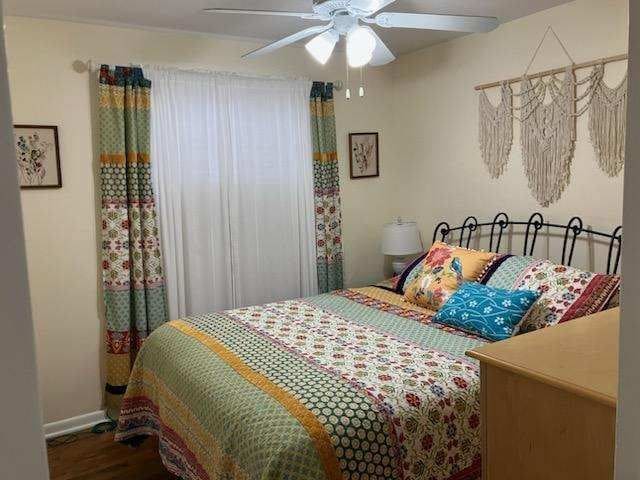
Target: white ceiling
186, 15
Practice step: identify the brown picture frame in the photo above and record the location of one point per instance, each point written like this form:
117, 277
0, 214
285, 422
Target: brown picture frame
56, 150
357, 158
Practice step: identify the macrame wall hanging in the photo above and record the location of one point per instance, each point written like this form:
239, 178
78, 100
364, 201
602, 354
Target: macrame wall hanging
608, 124
547, 136
547, 107
496, 131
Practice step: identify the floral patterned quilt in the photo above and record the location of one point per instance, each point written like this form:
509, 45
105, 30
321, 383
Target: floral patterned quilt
350, 385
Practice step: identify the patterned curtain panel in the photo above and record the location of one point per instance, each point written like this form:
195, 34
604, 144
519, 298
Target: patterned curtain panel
327, 188
134, 294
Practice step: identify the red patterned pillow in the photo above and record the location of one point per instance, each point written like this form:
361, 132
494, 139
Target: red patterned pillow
389, 283
566, 293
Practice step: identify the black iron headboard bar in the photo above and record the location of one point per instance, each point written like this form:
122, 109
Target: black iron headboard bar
617, 235
572, 230
557, 225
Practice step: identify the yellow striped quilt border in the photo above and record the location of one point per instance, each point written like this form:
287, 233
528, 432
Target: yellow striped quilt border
312, 425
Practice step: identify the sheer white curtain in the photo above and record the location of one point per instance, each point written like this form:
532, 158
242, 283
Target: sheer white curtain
233, 178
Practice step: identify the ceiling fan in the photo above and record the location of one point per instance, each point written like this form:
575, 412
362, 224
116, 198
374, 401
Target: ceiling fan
364, 46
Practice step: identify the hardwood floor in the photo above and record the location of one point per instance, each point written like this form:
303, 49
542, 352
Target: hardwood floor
97, 456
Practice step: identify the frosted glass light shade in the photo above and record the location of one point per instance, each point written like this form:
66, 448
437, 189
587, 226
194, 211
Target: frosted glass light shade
360, 47
321, 47
401, 238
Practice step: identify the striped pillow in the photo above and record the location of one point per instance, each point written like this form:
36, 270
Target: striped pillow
566, 293
411, 271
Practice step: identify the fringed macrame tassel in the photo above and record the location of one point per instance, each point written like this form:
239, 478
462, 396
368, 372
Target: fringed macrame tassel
548, 140
496, 131
608, 125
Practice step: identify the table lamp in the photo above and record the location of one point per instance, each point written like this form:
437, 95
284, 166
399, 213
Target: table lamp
400, 239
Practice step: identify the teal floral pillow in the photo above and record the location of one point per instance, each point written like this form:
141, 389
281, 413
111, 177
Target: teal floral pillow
492, 313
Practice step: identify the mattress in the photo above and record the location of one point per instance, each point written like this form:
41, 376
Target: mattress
356, 384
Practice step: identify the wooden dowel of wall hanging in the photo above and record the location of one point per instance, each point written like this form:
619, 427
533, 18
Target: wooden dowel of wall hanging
577, 66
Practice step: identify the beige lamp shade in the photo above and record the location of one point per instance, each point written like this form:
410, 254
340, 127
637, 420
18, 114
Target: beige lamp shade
401, 238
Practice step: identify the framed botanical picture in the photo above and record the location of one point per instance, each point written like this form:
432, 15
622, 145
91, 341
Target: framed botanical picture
38, 155
364, 159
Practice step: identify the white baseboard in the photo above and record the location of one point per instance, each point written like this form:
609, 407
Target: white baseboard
74, 424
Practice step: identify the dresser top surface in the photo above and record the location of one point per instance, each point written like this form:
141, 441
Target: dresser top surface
580, 355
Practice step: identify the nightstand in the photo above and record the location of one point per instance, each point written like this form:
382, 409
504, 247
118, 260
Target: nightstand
548, 402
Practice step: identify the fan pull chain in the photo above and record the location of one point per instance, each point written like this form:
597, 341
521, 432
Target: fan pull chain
348, 91
361, 91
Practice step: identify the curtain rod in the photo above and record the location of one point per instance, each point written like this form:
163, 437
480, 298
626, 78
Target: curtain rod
212, 71
576, 66
82, 66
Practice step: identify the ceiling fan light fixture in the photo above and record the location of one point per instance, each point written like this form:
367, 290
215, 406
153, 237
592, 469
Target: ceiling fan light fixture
360, 46
364, 46
321, 47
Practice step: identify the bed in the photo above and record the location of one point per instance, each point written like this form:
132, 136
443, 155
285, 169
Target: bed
355, 384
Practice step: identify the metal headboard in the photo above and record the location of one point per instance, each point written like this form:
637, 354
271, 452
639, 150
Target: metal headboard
571, 231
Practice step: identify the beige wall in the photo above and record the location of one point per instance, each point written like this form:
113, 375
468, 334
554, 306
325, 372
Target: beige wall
437, 137
60, 225
628, 422
22, 447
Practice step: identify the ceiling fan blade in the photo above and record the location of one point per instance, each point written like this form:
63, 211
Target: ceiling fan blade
369, 7
283, 42
306, 16
381, 54
428, 21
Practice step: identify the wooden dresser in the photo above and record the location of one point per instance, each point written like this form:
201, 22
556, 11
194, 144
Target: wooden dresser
548, 402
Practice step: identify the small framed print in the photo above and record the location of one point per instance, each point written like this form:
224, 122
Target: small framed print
364, 160
38, 156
